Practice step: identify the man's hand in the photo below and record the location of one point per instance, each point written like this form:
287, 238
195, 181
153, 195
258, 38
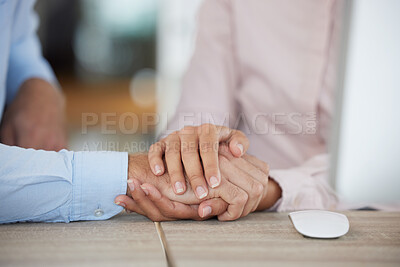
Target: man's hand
144, 187
247, 189
35, 119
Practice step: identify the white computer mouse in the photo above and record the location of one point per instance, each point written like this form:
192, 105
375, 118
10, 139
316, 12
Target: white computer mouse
320, 223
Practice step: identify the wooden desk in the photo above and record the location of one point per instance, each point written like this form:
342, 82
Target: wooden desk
257, 240
121, 241
269, 238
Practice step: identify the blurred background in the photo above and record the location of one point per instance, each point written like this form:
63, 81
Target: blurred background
114, 60
120, 63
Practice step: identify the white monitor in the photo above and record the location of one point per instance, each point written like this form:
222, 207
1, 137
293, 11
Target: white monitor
366, 154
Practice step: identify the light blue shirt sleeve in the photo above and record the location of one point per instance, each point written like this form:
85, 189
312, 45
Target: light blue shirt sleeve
65, 186
25, 57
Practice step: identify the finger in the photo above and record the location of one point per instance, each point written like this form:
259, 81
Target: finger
139, 195
263, 166
191, 161
171, 209
245, 181
7, 135
260, 172
237, 140
251, 165
233, 195
174, 164
155, 156
238, 143
129, 204
212, 207
209, 143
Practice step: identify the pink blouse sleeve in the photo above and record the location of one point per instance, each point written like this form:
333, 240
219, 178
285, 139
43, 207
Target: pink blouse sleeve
305, 186
210, 81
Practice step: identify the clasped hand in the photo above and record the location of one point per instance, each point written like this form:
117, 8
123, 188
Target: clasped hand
244, 186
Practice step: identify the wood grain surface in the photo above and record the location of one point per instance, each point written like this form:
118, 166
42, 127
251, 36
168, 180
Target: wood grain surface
124, 240
270, 239
258, 240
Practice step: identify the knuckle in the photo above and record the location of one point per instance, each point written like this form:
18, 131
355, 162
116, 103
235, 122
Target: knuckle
171, 147
257, 188
242, 198
207, 129
138, 200
234, 192
187, 130
207, 126
170, 137
265, 167
261, 176
235, 215
264, 180
154, 148
238, 196
151, 148
240, 134
196, 179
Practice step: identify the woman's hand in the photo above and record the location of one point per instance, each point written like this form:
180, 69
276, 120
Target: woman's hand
196, 148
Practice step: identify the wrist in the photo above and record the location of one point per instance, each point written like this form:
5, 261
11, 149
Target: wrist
131, 171
273, 194
139, 169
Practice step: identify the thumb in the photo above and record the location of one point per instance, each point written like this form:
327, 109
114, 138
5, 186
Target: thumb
212, 207
237, 140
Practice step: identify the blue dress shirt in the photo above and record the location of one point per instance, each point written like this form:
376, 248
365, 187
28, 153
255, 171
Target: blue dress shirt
38, 185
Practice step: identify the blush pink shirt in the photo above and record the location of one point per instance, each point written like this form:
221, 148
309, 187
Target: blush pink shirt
268, 69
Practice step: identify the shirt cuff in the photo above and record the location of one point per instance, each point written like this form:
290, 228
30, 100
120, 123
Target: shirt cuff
288, 180
98, 177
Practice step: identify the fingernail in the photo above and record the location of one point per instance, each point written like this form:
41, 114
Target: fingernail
120, 204
178, 187
158, 170
206, 211
201, 193
240, 146
131, 185
214, 181
146, 192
